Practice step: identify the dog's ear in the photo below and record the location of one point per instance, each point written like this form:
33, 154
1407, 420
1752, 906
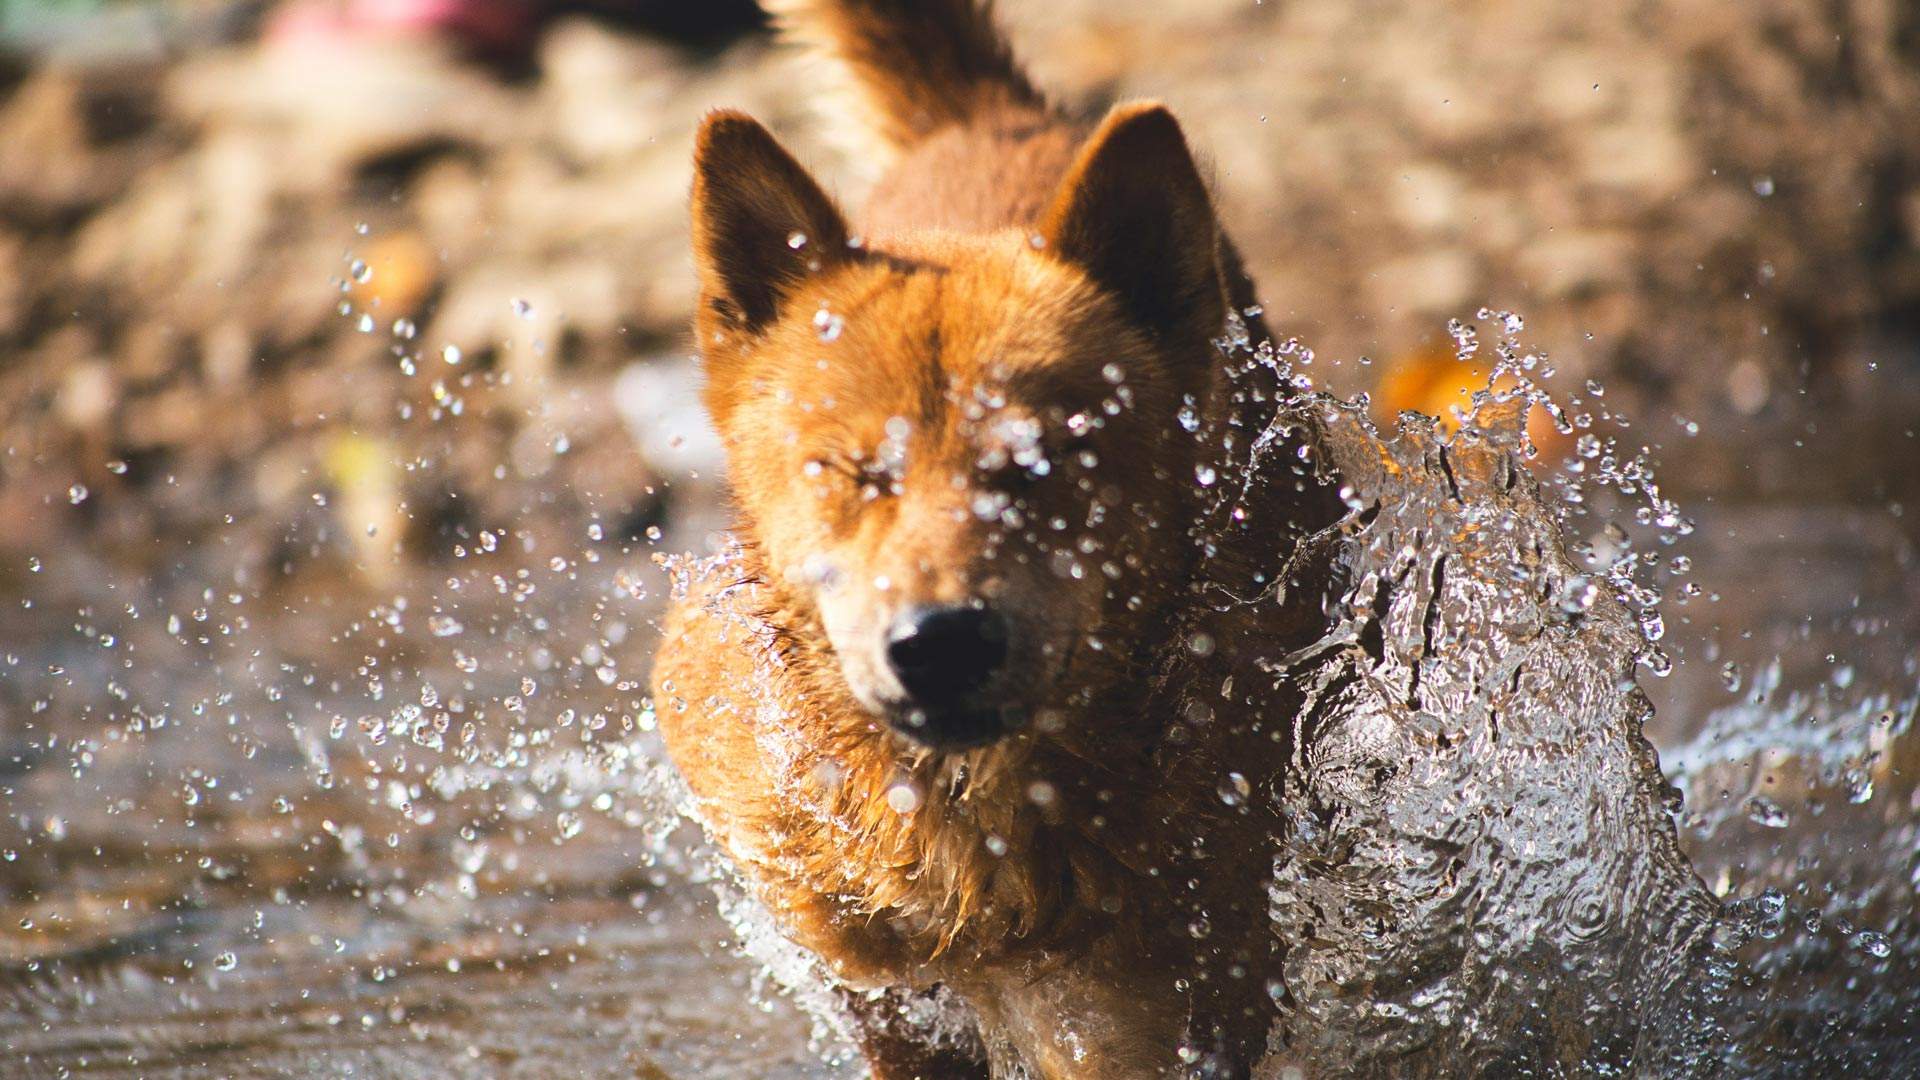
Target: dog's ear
1134, 213
760, 224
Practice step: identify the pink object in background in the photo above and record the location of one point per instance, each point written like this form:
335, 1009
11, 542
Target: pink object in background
494, 27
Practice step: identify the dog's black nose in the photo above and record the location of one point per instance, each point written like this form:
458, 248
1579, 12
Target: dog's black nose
944, 654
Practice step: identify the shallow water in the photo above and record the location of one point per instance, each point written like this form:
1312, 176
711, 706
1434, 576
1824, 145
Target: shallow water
270, 814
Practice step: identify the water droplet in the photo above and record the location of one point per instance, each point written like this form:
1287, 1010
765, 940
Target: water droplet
903, 797
77, 494
1658, 662
1235, 790
451, 354
796, 240
1859, 786
1578, 595
827, 326
522, 308
1764, 811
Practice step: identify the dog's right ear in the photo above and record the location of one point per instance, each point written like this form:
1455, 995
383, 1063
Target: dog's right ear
1134, 213
760, 225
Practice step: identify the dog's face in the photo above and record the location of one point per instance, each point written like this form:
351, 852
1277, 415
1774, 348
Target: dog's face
974, 456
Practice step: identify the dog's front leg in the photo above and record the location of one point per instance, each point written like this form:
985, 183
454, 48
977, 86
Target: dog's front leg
903, 1040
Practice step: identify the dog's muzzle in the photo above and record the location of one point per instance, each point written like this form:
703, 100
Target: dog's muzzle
947, 659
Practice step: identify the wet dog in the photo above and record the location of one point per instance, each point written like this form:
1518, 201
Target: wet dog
982, 705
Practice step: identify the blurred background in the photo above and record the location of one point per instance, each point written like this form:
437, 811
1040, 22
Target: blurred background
346, 397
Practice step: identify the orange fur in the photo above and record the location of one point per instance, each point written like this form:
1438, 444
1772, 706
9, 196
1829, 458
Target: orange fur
975, 402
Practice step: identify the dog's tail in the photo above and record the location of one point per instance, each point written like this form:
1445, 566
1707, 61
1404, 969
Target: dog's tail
916, 65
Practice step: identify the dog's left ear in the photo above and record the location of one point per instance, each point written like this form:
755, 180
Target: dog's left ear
1134, 213
761, 224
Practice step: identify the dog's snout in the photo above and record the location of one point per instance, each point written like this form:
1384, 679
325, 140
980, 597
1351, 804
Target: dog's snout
943, 654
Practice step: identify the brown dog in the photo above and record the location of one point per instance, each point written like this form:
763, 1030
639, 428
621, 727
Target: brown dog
960, 707
1090, 704
925, 707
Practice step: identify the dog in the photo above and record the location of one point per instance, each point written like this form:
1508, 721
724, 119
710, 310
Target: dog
974, 704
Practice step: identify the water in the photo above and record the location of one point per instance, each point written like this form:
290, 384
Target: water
1484, 866
276, 802
270, 832
1480, 869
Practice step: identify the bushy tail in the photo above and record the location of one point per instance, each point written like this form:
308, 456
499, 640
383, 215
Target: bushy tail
916, 65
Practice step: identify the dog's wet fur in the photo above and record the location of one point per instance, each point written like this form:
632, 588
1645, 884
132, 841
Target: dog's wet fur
1091, 704
938, 707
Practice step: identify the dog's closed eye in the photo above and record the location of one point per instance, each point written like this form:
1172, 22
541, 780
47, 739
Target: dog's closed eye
871, 478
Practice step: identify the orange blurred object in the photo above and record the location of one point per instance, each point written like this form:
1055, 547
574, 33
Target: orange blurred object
401, 271
1434, 381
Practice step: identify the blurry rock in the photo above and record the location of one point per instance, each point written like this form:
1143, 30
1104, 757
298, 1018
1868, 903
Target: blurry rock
43, 146
1434, 282
1708, 206
226, 354
1747, 389
88, 394
13, 299
1649, 161
1575, 263
338, 106
524, 316
449, 201
1633, 177
605, 92
169, 418
1429, 198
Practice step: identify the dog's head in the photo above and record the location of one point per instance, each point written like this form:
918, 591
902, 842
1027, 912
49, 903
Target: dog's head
974, 456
